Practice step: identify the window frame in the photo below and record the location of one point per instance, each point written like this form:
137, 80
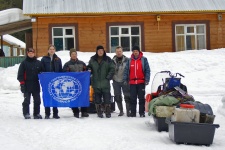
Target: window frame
191, 23
65, 26
124, 25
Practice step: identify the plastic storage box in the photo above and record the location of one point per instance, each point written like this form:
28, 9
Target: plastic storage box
160, 123
206, 113
186, 113
191, 133
162, 112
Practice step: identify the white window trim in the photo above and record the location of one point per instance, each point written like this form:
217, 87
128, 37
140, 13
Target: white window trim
64, 35
185, 34
124, 35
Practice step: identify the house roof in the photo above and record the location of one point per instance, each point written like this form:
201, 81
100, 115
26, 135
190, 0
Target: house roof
95, 7
11, 40
12, 20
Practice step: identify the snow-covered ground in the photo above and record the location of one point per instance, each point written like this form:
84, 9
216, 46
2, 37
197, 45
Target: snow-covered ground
204, 73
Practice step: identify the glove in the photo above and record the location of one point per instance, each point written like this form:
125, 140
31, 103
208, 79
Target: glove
22, 88
67, 69
146, 83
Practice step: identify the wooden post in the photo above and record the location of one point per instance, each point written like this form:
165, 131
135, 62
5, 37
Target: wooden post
2, 42
28, 39
11, 50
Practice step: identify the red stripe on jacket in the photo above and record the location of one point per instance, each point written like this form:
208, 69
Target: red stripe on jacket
24, 77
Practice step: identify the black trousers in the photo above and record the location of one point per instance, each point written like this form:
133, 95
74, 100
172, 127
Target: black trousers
137, 91
26, 103
48, 111
103, 97
76, 110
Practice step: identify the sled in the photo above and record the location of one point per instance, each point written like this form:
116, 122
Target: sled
163, 83
191, 133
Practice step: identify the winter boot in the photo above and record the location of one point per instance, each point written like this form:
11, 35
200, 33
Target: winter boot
84, 114
38, 116
120, 106
108, 110
27, 116
56, 116
132, 115
99, 110
128, 109
76, 115
47, 117
142, 115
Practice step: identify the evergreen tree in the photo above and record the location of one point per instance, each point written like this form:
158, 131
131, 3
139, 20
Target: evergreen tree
6, 4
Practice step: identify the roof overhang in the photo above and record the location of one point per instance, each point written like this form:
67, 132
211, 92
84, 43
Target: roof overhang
124, 13
15, 27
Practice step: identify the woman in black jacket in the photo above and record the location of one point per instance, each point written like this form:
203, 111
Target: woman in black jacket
51, 63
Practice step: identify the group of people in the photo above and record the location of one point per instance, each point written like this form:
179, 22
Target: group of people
129, 75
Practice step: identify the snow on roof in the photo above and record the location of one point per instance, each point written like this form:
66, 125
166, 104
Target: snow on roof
12, 15
54, 7
13, 41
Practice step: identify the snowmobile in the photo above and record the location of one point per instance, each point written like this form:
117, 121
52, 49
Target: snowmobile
163, 83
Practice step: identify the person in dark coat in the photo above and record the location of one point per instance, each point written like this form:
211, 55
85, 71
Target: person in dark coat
51, 63
75, 65
102, 70
29, 83
137, 74
2, 54
120, 62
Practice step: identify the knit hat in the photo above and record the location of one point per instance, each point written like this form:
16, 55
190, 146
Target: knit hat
99, 47
136, 48
72, 50
30, 50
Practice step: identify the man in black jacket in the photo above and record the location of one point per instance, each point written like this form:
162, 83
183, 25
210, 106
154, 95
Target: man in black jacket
75, 65
28, 78
51, 63
102, 69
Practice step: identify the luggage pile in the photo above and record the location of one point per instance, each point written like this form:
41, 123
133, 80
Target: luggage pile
176, 111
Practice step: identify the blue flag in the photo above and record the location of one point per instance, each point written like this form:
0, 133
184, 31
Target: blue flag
69, 89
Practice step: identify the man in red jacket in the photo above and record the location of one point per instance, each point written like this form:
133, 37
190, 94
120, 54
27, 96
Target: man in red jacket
137, 73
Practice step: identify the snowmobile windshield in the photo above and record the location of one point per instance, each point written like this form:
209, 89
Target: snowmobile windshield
159, 80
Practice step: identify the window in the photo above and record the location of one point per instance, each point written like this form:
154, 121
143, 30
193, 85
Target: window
14, 51
63, 38
125, 36
190, 36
